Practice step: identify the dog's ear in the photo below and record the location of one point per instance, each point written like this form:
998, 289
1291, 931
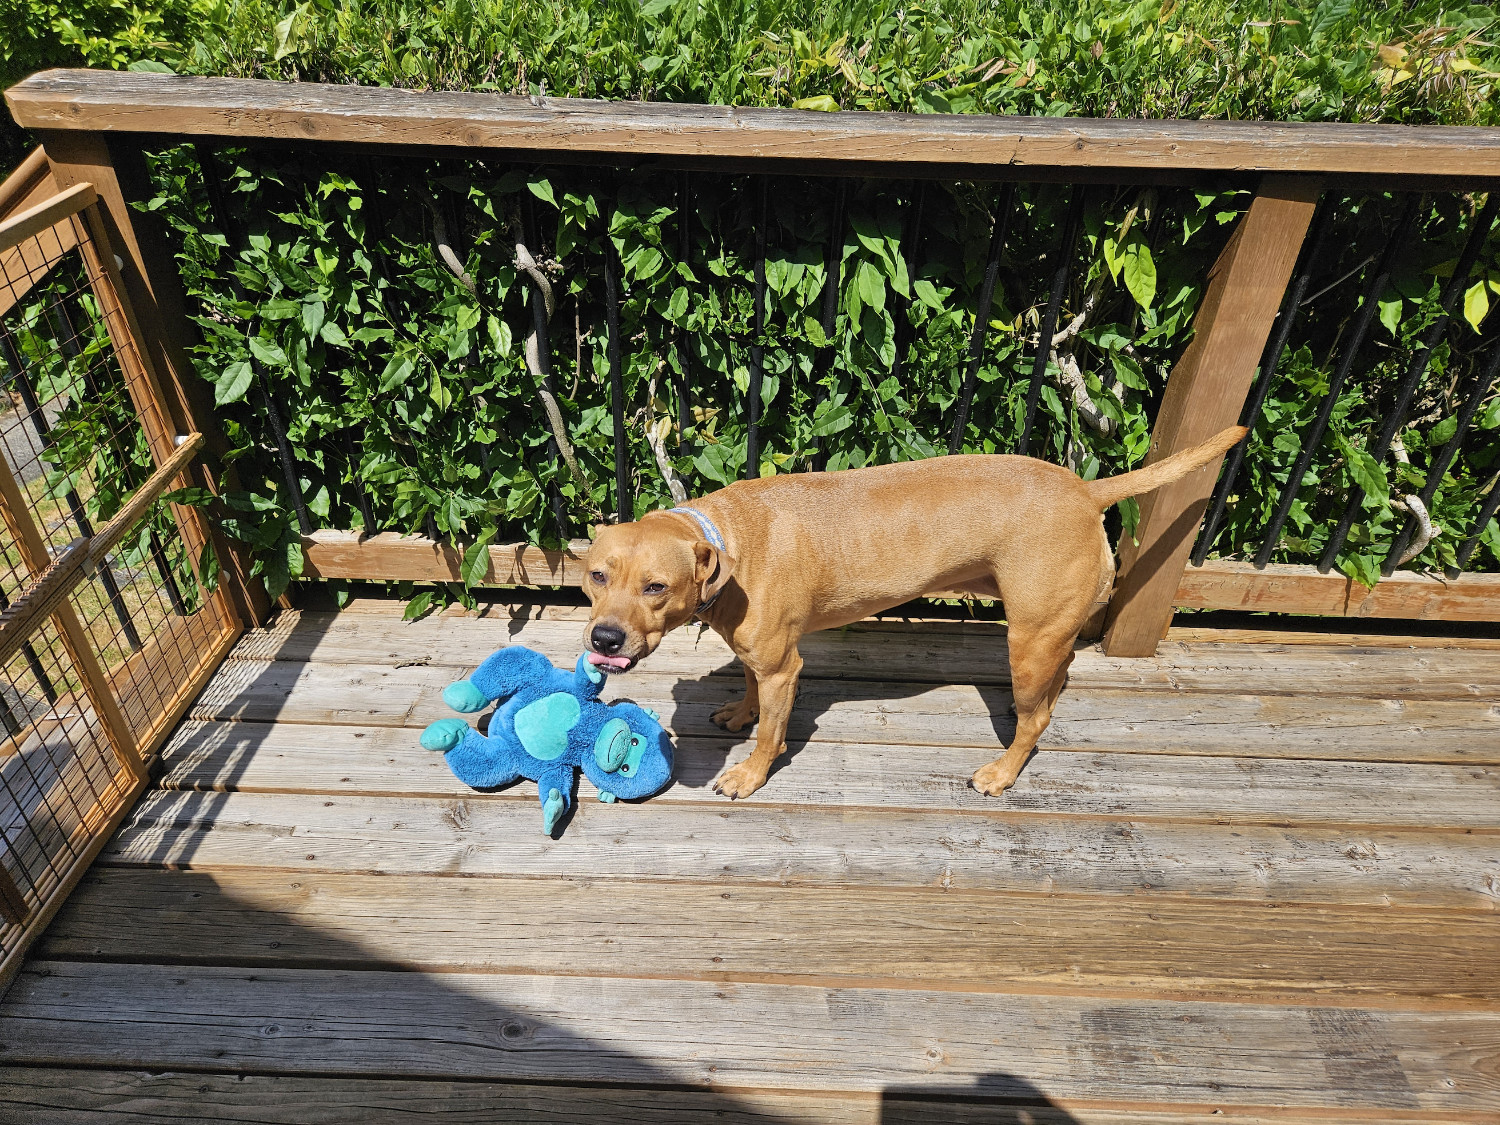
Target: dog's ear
712, 571
597, 530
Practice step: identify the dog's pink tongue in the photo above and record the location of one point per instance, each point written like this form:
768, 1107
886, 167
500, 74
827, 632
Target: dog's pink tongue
612, 661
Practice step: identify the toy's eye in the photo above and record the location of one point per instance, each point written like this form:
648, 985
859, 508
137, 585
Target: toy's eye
655, 588
596, 577
636, 740
625, 769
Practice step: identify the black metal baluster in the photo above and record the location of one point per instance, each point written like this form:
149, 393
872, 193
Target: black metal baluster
757, 353
361, 497
1066, 250
1375, 285
682, 380
833, 277
80, 519
33, 662
1483, 381
544, 359
1270, 358
624, 507
911, 243
1396, 417
982, 316
1467, 548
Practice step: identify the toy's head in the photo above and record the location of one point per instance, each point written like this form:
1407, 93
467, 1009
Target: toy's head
632, 754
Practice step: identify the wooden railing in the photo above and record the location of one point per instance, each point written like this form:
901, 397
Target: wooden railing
94, 126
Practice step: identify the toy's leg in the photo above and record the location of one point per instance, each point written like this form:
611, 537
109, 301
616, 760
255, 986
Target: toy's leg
481, 762
555, 790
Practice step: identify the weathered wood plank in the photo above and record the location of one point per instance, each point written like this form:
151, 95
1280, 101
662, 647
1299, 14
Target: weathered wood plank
1285, 588
1330, 727
980, 655
1204, 395
731, 843
708, 1034
56, 1096
382, 761
219, 107
896, 938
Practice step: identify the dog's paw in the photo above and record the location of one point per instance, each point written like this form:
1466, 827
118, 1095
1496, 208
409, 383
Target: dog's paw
993, 779
735, 716
739, 781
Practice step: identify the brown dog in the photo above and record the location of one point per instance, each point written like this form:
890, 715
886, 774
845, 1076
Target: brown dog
816, 551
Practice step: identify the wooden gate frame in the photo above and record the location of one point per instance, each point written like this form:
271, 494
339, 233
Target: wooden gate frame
32, 201
94, 125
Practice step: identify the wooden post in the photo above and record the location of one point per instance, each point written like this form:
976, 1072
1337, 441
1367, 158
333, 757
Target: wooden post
152, 290
1204, 394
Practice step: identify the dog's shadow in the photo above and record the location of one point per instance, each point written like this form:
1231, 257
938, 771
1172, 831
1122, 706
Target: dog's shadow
703, 749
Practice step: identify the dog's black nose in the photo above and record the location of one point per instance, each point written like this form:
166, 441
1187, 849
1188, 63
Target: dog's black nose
607, 639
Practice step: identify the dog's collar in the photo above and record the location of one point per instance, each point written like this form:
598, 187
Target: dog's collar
711, 533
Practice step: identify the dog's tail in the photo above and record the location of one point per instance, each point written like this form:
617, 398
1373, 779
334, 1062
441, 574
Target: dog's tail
1111, 490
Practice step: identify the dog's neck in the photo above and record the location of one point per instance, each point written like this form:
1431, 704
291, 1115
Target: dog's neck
710, 531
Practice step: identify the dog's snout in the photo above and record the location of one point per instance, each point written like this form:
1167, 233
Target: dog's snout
607, 639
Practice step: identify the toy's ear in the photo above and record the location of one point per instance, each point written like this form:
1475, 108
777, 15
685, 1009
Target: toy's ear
712, 571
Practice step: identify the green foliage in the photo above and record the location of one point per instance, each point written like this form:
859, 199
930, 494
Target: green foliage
404, 392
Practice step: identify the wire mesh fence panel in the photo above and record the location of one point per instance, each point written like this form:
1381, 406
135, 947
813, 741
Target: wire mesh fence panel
110, 619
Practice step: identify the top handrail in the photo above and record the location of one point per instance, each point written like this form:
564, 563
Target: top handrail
969, 146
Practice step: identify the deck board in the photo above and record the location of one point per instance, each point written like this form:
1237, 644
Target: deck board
382, 761
904, 937
612, 1029
1254, 879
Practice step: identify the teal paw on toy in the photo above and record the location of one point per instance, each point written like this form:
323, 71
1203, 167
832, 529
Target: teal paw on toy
465, 697
444, 734
549, 724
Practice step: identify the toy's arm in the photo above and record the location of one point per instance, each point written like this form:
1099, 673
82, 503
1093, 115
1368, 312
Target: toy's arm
500, 676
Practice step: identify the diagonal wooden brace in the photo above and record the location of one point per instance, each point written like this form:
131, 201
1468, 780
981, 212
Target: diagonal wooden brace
1205, 392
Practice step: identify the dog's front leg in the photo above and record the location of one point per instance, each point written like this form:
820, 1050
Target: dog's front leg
778, 691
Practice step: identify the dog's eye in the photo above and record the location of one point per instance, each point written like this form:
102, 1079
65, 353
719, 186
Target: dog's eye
596, 577
656, 588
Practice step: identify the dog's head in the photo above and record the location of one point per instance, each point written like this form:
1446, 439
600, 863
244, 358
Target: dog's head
643, 579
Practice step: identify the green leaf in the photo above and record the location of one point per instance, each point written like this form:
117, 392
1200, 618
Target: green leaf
279, 308
476, 564
1362, 568
1368, 474
871, 286
1476, 304
677, 306
1441, 433
822, 103
267, 351
1140, 273
333, 334
150, 66
233, 384
542, 189
927, 293
814, 330
418, 606
1390, 314
397, 371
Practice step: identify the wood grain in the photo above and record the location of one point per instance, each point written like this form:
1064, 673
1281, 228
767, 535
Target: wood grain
896, 714
706, 1035
1283, 588
1205, 392
900, 938
980, 655
58, 1095
749, 842
374, 761
120, 101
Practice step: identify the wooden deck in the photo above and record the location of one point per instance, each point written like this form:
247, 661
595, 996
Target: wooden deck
1248, 880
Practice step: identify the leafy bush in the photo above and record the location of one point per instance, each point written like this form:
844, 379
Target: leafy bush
404, 392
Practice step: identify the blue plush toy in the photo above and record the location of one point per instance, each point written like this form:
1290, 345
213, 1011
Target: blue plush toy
550, 723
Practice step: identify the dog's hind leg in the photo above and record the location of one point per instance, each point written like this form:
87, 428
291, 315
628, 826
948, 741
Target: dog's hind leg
1039, 660
736, 715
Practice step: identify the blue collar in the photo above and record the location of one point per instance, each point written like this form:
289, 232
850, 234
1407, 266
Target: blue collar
711, 533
